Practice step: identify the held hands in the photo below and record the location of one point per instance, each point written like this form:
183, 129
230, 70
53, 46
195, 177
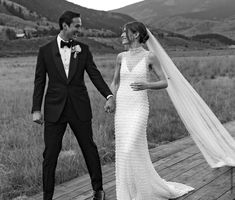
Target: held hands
139, 86
109, 105
38, 117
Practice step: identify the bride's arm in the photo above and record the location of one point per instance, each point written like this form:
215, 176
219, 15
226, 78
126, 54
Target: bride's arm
116, 78
160, 84
156, 67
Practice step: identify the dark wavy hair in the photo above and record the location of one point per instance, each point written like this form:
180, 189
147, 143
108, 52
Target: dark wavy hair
67, 17
140, 28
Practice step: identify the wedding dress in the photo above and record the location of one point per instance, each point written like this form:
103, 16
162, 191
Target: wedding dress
136, 178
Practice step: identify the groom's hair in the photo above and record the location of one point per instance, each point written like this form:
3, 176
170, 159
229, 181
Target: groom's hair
67, 17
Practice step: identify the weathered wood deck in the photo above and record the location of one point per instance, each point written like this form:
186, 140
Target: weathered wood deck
179, 161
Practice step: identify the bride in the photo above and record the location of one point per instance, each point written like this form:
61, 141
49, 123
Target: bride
136, 178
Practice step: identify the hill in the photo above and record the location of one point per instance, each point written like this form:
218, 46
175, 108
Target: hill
9, 48
91, 18
187, 17
99, 45
40, 18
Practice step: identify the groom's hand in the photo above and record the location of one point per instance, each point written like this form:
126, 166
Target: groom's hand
109, 106
37, 117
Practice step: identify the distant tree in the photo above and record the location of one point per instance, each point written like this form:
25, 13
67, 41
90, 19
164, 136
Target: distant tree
221, 38
11, 34
2, 23
53, 31
80, 34
160, 35
17, 11
20, 11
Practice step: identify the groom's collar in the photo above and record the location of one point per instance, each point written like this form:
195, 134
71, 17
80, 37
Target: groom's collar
59, 39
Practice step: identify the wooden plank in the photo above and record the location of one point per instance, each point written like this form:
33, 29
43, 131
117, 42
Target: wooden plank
83, 185
111, 193
181, 167
86, 178
175, 158
213, 189
166, 150
202, 179
81, 188
85, 190
107, 187
193, 176
178, 161
230, 193
109, 179
227, 196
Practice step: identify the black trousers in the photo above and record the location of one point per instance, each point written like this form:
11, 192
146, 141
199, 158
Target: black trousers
53, 135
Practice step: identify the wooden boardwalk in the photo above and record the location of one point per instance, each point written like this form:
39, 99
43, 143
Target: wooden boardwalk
179, 161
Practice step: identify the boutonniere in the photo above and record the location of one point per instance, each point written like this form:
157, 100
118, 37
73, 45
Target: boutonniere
76, 50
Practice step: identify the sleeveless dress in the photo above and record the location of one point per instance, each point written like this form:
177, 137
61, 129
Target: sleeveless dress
136, 178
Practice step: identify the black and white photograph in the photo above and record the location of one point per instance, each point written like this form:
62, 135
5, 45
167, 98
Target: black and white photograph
117, 100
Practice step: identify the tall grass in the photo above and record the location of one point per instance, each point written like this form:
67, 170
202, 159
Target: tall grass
21, 141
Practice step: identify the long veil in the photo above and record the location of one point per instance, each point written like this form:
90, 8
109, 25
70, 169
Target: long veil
213, 140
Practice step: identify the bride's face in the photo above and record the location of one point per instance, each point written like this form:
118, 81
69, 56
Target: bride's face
127, 36
124, 37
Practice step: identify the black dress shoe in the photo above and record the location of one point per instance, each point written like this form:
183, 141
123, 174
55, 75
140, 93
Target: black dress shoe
99, 195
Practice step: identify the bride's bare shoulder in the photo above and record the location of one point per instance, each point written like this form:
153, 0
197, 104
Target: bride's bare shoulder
152, 59
119, 57
152, 56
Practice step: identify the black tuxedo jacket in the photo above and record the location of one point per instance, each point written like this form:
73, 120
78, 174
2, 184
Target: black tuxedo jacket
60, 87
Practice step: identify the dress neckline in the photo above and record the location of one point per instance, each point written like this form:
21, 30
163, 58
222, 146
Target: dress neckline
136, 50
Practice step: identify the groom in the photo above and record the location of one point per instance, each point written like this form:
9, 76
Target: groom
65, 60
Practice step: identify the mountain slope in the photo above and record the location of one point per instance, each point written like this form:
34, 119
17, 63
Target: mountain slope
158, 9
91, 18
186, 16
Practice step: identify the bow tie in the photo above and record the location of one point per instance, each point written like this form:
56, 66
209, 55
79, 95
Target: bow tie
63, 44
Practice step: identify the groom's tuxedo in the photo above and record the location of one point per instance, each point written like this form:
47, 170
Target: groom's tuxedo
66, 102
60, 87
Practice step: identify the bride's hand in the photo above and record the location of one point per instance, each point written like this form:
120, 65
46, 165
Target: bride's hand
139, 86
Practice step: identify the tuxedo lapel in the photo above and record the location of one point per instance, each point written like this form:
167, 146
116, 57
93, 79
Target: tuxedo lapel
57, 59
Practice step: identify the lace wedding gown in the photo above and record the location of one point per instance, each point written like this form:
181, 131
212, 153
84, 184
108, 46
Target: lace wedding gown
136, 178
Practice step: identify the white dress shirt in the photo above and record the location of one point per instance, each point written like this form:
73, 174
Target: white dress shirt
65, 53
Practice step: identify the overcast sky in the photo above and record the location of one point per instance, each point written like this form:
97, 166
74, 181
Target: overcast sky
104, 4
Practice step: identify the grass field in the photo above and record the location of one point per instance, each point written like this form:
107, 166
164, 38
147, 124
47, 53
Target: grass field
21, 141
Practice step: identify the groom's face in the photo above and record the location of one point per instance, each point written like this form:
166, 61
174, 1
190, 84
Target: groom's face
74, 28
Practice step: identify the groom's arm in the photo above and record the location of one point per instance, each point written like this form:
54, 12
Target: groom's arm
39, 82
96, 77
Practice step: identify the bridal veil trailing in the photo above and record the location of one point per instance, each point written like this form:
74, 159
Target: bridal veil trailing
213, 140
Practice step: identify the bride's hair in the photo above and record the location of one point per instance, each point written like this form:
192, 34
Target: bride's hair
140, 28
